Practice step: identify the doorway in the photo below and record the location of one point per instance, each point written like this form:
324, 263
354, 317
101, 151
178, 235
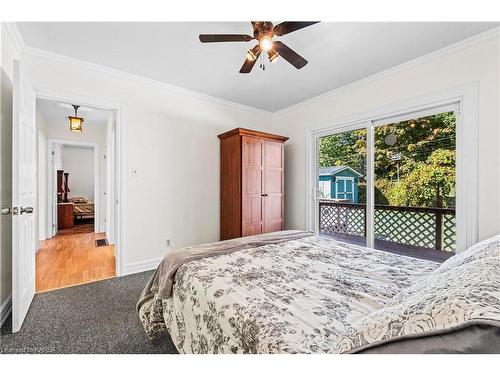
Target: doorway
75, 186
380, 142
25, 182
413, 185
79, 167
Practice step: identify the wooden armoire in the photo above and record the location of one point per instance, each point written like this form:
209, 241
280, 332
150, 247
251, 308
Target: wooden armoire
252, 183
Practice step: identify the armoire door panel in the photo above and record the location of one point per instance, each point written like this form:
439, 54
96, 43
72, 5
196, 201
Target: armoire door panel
273, 207
273, 181
273, 167
251, 230
252, 152
251, 221
273, 214
253, 181
273, 154
252, 214
273, 226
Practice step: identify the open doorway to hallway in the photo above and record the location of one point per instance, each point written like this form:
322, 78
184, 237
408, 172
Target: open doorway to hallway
75, 194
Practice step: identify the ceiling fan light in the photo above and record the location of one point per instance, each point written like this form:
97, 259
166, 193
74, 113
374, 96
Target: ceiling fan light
251, 56
273, 56
266, 43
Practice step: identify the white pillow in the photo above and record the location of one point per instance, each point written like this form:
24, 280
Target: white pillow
486, 248
441, 303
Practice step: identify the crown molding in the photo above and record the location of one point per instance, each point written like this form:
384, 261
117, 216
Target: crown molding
13, 31
36, 52
10, 28
463, 44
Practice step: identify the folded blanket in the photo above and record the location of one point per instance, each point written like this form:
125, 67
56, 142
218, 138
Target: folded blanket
162, 280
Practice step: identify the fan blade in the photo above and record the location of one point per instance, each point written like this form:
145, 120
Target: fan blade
212, 38
289, 27
289, 54
250, 62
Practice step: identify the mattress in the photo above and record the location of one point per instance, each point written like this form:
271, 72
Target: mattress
83, 209
298, 296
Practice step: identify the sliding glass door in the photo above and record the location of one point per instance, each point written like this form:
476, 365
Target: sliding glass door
391, 184
414, 185
341, 186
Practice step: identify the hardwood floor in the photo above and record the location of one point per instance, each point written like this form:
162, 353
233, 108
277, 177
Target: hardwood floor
77, 229
69, 259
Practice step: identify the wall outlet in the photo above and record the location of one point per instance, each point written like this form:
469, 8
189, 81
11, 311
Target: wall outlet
169, 243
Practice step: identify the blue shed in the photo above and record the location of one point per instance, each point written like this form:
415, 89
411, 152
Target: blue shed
339, 182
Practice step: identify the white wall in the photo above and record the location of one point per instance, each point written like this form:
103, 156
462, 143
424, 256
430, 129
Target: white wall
8, 54
79, 163
58, 165
477, 62
170, 138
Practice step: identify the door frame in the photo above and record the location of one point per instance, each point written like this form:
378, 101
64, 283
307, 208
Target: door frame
465, 100
118, 163
42, 195
52, 191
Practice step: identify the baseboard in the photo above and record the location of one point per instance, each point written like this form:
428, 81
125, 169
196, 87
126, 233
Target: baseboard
142, 266
5, 310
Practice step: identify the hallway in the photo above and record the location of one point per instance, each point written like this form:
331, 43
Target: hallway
66, 260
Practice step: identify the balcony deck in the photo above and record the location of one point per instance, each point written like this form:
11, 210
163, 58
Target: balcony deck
395, 248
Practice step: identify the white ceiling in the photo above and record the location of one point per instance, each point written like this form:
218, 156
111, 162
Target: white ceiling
338, 54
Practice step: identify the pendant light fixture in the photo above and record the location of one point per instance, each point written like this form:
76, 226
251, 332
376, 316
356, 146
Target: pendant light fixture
75, 122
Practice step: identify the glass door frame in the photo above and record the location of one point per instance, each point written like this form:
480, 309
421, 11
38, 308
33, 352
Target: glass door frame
463, 102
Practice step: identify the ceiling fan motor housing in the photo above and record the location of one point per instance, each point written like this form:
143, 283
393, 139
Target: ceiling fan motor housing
261, 29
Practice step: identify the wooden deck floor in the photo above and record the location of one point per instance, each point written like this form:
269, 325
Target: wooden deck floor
396, 248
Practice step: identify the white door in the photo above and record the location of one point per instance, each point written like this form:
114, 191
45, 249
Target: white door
24, 184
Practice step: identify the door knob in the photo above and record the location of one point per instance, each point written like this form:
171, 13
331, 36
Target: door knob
8, 211
263, 195
26, 210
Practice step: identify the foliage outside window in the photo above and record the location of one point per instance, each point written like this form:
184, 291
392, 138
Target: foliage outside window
417, 170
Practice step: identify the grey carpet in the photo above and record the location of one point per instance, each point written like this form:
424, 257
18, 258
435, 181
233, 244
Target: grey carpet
98, 317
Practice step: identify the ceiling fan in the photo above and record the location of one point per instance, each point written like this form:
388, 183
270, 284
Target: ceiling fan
263, 32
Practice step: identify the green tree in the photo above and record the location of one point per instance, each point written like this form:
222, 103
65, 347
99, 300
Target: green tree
343, 149
426, 165
430, 182
416, 140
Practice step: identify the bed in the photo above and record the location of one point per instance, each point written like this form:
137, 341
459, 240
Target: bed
293, 292
82, 208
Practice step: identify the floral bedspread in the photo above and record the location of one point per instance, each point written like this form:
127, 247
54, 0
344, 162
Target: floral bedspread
299, 296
